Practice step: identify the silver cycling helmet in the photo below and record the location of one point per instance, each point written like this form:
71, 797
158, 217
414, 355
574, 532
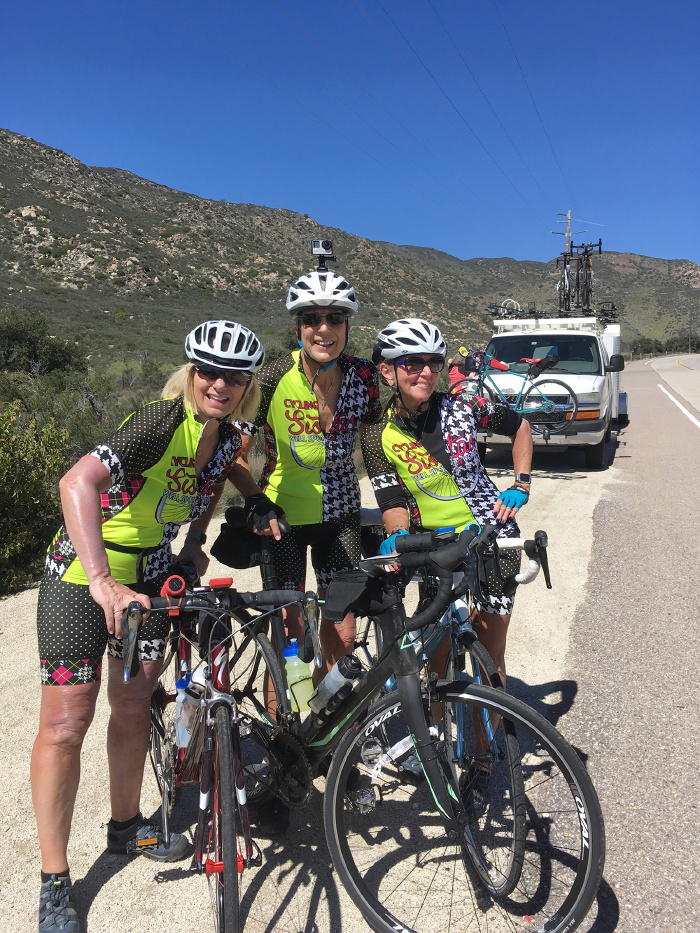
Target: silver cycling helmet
225, 345
408, 336
321, 290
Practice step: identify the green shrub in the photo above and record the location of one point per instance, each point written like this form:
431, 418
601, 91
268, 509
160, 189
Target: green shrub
32, 460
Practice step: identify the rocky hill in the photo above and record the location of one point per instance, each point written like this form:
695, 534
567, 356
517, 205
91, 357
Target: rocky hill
122, 265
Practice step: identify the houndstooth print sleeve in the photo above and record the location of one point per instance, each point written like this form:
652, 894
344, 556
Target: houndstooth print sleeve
141, 440
497, 419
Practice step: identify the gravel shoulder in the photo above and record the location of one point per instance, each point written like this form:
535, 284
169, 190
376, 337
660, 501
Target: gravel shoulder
295, 889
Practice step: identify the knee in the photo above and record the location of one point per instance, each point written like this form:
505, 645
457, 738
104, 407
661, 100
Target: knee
65, 725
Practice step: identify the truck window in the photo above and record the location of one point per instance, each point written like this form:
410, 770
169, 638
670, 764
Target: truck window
578, 353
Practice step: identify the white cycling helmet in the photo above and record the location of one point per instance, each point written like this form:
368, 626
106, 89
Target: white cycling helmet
225, 345
321, 290
407, 336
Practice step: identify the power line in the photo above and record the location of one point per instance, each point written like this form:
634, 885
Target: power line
483, 94
379, 103
264, 77
458, 112
539, 117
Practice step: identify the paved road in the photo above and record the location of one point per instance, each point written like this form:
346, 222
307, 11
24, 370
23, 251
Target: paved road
610, 655
633, 665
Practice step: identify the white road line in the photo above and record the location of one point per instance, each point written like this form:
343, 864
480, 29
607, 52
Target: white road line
676, 402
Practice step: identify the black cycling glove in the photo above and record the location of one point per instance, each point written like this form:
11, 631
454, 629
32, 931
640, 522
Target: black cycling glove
259, 510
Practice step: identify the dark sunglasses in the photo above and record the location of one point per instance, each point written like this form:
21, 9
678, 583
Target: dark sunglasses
314, 319
416, 364
231, 377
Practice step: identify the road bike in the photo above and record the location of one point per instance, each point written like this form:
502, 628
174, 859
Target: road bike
207, 649
549, 405
419, 849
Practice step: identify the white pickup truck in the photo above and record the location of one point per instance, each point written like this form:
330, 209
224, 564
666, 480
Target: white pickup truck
589, 362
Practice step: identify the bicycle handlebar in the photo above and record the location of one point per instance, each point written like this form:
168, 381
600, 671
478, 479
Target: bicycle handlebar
442, 554
220, 599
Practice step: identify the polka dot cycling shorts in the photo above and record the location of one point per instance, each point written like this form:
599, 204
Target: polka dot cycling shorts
72, 635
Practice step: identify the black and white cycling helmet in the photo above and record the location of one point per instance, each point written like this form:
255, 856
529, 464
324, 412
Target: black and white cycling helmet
321, 290
408, 336
225, 345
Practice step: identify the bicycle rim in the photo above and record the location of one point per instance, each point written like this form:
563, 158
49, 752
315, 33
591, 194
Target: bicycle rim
549, 404
390, 847
221, 856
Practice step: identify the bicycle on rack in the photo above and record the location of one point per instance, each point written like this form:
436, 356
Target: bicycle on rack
415, 849
205, 645
549, 405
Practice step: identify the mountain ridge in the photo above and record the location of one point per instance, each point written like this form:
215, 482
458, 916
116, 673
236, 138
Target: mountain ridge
132, 264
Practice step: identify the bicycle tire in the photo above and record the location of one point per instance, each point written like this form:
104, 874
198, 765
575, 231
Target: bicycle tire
549, 405
391, 850
163, 748
475, 743
248, 685
221, 863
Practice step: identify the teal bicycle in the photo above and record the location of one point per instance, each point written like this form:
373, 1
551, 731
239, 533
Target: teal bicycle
549, 405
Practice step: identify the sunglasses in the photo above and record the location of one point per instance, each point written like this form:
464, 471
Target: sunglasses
314, 319
231, 377
416, 364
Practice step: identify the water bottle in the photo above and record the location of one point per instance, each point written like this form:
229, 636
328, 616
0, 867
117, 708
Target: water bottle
298, 678
339, 678
182, 734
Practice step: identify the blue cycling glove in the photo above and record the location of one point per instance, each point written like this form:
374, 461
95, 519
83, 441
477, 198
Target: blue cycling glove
388, 545
514, 498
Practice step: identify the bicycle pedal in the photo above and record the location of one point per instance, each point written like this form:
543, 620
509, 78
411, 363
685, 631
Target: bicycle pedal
134, 846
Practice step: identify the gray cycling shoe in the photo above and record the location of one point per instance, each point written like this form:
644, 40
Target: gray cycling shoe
56, 911
142, 839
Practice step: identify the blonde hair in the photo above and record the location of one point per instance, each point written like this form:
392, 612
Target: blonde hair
181, 384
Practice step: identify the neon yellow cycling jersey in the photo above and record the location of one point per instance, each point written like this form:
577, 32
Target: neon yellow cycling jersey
310, 474
150, 459
432, 466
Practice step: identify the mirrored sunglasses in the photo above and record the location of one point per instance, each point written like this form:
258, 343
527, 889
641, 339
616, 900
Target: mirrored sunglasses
314, 319
231, 377
416, 364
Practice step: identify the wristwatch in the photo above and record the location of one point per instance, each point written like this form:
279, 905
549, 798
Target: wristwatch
523, 478
197, 536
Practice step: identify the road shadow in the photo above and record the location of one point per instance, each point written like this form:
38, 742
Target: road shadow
541, 696
565, 463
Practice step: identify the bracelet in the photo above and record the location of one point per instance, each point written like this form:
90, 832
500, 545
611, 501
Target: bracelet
395, 531
197, 536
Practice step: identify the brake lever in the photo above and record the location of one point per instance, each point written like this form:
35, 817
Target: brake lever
541, 542
131, 622
311, 612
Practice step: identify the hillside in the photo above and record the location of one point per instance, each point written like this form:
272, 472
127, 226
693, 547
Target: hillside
122, 265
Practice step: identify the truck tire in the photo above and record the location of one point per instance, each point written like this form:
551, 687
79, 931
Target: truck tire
594, 456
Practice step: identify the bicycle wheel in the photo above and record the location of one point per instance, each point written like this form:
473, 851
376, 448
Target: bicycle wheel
221, 856
549, 405
256, 677
391, 850
162, 746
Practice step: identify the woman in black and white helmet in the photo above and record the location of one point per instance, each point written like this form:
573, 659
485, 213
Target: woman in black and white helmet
123, 504
313, 403
423, 462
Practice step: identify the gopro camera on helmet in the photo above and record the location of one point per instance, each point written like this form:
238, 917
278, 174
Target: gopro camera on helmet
324, 250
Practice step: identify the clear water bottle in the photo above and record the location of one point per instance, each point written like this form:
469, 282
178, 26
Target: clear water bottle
339, 678
298, 678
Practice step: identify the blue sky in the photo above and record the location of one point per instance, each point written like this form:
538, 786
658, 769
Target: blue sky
464, 126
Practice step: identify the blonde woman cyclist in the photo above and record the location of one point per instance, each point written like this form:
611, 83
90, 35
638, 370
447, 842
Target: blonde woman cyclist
123, 504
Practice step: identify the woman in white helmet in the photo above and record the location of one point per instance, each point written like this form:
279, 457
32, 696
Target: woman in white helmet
123, 504
423, 462
313, 403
